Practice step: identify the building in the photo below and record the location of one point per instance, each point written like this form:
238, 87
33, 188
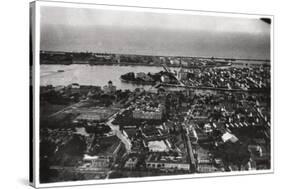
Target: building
182, 75
110, 88
131, 163
150, 107
143, 76
158, 146
95, 162
157, 161
74, 88
229, 137
112, 148
140, 114
165, 79
103, 56
255, 150
206, 167
89, 116
185, 74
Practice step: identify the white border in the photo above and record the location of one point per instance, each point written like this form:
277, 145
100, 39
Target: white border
37, 94
36, 64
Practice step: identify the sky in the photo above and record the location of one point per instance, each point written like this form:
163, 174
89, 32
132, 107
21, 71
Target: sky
152, 33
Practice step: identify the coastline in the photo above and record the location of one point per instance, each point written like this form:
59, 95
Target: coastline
157, 65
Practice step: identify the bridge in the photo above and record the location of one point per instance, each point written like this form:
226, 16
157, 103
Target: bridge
167, 69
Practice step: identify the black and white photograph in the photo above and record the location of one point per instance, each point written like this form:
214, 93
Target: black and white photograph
126, 93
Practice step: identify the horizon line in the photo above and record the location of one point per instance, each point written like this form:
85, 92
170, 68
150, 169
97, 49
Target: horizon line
177, 56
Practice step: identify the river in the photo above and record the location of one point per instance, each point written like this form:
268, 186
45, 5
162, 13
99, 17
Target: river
98, 75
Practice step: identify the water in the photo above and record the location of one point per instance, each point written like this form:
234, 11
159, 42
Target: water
98, 75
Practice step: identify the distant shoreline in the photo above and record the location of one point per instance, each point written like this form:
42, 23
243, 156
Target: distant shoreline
88, 58
174, 56
153, 65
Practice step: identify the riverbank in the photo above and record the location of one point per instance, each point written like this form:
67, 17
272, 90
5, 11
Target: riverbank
92, 75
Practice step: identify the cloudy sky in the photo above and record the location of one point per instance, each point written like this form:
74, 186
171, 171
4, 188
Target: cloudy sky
130, 32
